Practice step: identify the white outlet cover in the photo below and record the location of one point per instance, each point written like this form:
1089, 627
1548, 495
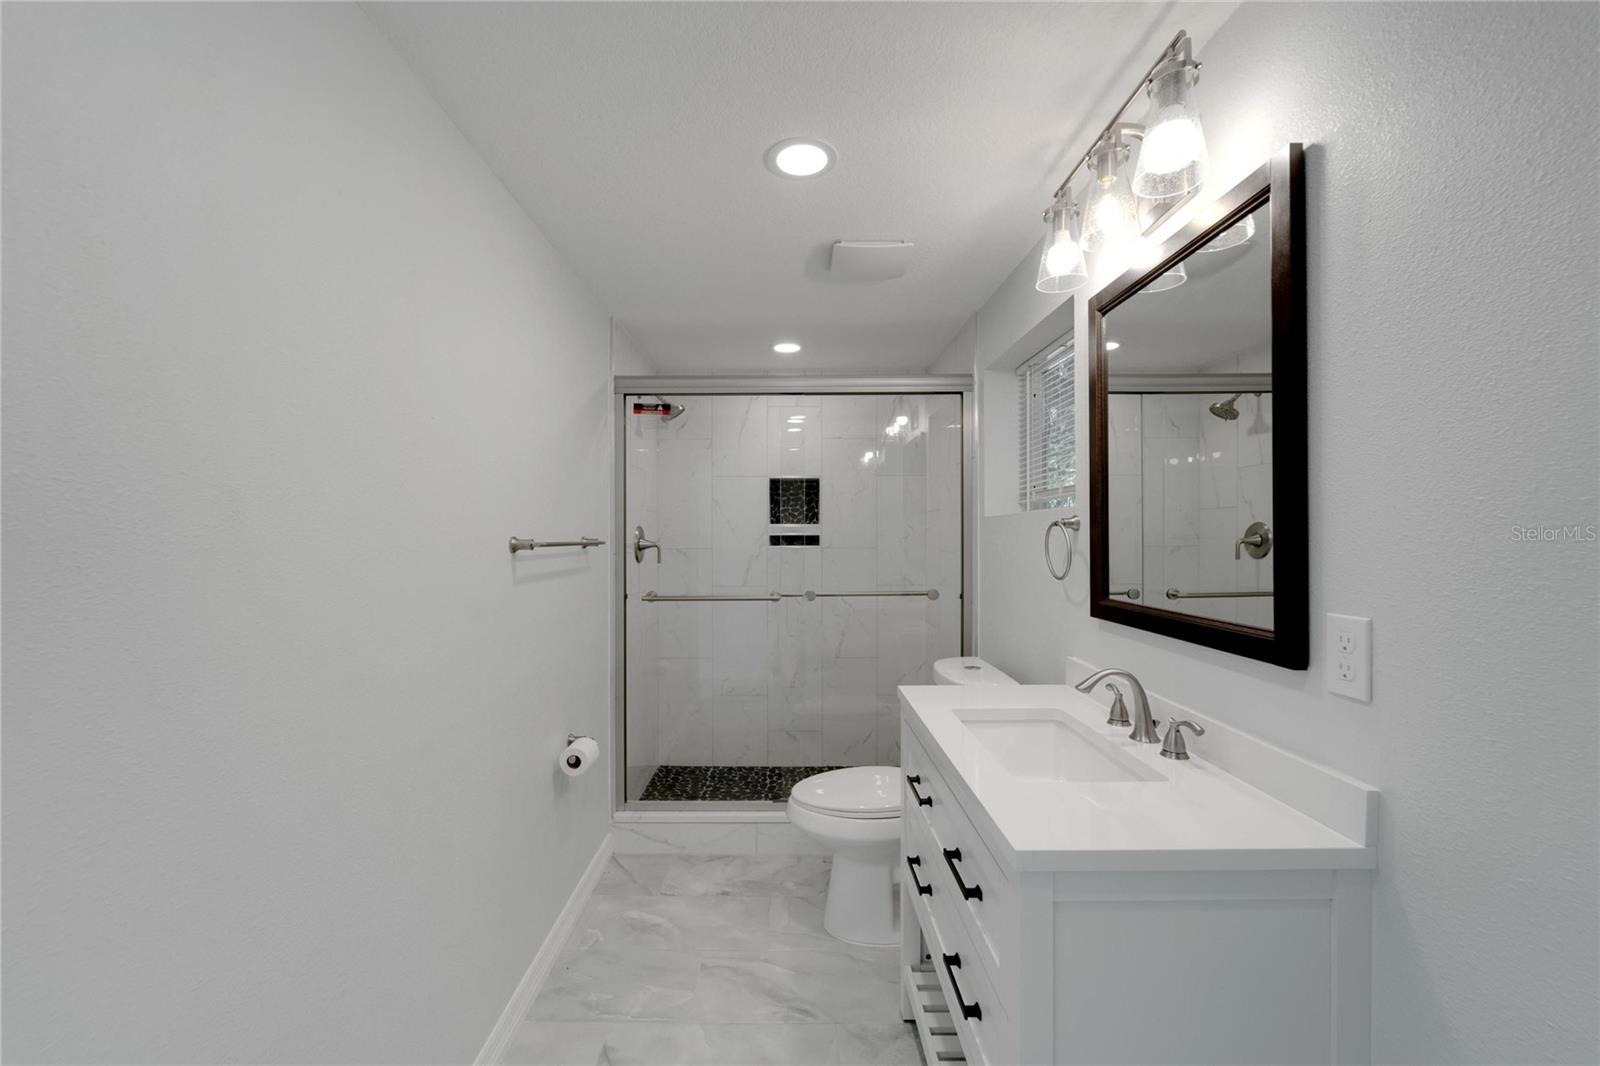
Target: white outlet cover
1349, 651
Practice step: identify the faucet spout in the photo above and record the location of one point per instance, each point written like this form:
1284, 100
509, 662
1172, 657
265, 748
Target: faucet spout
1144, 726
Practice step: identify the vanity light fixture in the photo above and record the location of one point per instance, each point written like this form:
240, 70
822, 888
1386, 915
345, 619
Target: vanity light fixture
1111, 216
1169, 278
1172, 160
1168, 167
1232, 237
786, 347
800, 157
1061, 265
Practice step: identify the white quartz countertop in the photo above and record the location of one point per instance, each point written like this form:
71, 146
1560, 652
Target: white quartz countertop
1194, 816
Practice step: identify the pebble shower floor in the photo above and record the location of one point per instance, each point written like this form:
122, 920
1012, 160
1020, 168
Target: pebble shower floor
768, 783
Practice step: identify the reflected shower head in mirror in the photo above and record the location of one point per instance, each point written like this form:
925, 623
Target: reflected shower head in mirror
1225, 409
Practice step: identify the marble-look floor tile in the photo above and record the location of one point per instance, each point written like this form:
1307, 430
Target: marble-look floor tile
683, 923
689, 1044
797, 986
889, 1044
556, 1044
728, 875
592, 985
656, 1044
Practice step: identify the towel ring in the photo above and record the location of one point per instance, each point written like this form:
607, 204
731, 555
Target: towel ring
1068, 526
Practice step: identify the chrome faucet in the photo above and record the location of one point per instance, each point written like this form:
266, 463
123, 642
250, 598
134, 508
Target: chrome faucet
1144, 727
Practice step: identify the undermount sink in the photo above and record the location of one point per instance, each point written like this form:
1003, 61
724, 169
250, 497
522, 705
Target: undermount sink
1044, 745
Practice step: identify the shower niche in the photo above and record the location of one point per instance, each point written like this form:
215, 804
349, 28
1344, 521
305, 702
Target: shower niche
1198, 423
810, 562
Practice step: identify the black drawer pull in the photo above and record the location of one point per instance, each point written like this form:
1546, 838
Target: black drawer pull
952, 963
912, 862
951, 857
912, 781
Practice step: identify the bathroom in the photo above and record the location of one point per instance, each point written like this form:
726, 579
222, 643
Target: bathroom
895, 438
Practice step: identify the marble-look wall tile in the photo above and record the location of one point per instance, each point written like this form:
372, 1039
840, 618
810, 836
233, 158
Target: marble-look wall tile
739, 730
795, 747
794, 439
903, 441
849, 712
739, 533
1180, 492
1123, 451
902, 532
850, 416
684, 495
739, 658
738, 436
849, 493
1125, 525
684, 718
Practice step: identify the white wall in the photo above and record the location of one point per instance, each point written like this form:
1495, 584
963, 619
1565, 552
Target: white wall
1453, 286
284, 368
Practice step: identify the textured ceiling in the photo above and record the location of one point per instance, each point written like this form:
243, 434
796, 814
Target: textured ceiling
633, 135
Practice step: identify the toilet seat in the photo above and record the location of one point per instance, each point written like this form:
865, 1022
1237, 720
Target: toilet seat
857, 792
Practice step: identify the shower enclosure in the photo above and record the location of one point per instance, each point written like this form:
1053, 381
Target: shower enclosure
787, 559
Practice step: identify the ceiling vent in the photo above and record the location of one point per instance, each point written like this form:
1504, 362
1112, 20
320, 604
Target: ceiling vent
870, 260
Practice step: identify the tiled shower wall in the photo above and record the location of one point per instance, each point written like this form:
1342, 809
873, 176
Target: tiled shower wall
1183, 485
796, 682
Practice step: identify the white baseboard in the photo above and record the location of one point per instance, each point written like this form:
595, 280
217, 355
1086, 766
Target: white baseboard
539, 969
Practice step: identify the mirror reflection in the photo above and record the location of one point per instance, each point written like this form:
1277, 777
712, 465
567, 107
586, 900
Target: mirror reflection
1189, 458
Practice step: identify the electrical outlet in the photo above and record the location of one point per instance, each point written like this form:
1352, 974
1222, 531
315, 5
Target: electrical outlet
1350, 657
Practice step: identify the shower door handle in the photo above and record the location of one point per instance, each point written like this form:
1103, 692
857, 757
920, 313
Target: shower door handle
641, 545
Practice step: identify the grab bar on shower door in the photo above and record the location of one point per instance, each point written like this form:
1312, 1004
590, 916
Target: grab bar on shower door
764, 597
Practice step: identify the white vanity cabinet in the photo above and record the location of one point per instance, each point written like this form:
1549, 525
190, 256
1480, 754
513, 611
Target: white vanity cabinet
1100, 937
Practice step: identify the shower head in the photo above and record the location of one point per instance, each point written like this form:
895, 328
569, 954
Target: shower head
673, 409
1225, 409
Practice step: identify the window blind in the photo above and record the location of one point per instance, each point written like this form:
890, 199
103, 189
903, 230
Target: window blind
1048, 476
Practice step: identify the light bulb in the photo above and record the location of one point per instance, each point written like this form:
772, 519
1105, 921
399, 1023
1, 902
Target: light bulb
1172, 159
1111, 217
1061, 266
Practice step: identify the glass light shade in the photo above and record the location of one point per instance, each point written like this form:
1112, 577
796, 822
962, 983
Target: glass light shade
1111, 215
1061, 266
1238, 233
1172, 157
1170, 278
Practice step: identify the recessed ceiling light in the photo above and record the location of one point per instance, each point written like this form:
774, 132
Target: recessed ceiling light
786, 347
795, 429
1112, 346
800, 157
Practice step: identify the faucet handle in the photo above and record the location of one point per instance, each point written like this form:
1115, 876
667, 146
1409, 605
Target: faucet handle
1173, 746
1119, 710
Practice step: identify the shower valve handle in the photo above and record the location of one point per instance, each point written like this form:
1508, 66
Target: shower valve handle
641, 545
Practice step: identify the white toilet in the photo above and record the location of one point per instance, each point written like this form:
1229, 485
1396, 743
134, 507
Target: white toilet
856, 813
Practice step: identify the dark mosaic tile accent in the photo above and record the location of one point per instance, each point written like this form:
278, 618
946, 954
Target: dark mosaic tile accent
768, 783
794, 540
794, 501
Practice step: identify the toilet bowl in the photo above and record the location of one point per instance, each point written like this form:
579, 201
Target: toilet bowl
855, 812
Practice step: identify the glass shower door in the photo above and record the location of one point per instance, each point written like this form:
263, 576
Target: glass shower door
807, 562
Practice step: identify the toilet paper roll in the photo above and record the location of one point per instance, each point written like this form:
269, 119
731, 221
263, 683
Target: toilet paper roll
576, 757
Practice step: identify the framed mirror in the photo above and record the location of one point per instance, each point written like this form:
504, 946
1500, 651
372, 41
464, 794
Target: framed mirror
1197, 416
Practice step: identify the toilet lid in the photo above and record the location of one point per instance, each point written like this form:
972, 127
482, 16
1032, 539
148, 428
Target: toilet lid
854, 792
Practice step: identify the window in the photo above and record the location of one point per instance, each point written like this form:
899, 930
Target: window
1047, 422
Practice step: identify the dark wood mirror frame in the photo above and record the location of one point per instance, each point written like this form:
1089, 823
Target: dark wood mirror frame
1280, 184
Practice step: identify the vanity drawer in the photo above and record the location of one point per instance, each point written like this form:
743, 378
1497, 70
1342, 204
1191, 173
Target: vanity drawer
982, 897
975, 1011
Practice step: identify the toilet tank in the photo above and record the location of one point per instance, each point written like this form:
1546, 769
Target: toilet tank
970, 670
